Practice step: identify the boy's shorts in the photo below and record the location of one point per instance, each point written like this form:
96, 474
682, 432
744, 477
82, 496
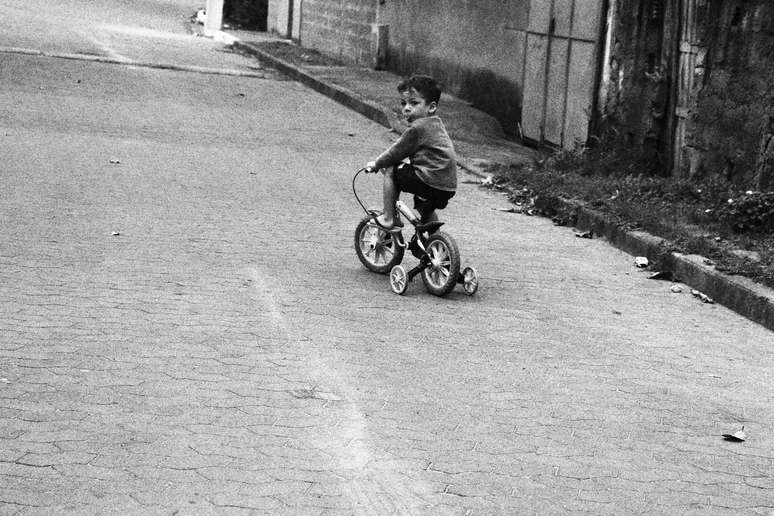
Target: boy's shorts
426, 198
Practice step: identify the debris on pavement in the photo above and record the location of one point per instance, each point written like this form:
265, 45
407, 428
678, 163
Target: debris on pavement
641, 262
736, 437
487, 181
704, 297
114, 161
585, 234
201, 16
512, 209
115, 233
676, 289
5, 380
661, 275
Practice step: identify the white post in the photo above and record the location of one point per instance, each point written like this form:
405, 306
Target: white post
214, 21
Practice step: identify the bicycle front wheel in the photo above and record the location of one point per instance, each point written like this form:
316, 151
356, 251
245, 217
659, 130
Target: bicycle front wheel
378, 250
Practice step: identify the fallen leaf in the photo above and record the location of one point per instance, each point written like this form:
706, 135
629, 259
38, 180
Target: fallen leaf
704, 297
736, 437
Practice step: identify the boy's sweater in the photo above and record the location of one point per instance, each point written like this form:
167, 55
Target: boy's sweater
427, 144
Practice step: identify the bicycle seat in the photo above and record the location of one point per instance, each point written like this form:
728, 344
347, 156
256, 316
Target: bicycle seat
430, 227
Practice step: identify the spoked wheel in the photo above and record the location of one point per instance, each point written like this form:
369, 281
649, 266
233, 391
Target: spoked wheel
442, 272
377, 249
399, 280
469, 280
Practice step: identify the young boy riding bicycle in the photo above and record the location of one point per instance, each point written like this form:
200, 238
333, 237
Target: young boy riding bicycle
431, 171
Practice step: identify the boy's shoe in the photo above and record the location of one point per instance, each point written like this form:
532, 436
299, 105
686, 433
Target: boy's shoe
397, 226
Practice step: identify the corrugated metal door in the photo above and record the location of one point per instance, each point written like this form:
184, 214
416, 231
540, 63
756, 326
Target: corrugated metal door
560, 70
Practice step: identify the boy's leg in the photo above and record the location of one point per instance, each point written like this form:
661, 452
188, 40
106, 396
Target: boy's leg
390, 195
429, 216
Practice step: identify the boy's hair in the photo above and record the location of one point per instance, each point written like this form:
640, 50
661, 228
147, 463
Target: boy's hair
425, 86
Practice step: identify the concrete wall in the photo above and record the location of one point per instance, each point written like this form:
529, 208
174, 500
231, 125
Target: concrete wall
340, 28
475, 48
271, 17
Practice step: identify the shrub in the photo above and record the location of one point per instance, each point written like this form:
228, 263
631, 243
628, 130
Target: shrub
751, 212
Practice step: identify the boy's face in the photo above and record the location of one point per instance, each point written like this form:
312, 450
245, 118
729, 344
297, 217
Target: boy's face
415, 106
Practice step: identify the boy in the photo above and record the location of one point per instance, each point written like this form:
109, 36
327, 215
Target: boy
431, 174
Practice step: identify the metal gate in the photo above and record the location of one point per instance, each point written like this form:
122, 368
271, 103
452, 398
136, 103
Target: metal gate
560, 70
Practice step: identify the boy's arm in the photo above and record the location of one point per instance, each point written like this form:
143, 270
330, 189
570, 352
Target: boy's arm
404, 147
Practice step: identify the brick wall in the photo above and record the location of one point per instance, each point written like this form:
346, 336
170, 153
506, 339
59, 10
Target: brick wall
341, 28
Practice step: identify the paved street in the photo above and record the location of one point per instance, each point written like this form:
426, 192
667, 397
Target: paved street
185, 327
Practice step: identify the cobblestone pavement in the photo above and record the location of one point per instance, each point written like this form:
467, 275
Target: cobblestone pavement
226, 353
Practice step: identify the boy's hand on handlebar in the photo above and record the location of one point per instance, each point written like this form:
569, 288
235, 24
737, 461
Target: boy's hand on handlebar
370, 167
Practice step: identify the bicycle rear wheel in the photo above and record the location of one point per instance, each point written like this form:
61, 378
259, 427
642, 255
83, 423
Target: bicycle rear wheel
441, 274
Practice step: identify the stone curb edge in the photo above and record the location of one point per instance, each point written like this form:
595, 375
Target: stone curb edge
742, 295
738, 294
337, 93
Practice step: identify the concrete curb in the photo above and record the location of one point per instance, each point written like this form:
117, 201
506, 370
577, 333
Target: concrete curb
341, 95
739, 294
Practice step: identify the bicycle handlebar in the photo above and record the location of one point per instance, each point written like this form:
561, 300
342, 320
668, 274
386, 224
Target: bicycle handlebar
354, 190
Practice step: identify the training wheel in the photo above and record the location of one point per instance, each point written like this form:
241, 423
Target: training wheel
469, 280
398, 280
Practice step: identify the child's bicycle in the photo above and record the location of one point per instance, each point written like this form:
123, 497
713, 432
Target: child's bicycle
382, 250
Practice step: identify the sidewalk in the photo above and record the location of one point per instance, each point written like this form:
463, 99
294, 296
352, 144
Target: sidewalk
479, 140
478, 137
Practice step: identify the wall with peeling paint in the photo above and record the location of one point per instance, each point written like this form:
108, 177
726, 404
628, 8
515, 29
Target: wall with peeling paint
732, 124
707, 114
